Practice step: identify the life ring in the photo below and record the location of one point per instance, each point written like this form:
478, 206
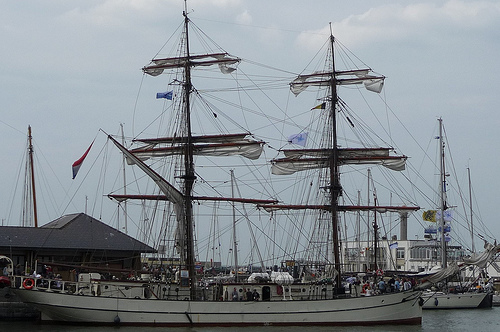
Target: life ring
28, 283
380, 272
365, 287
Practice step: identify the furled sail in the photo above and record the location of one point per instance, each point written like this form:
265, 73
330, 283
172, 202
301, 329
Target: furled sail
224, 60
296, 161
361, 76
223, 138
442, 274
485, 257
215, 145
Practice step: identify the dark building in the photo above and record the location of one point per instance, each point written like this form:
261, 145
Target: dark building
72, 243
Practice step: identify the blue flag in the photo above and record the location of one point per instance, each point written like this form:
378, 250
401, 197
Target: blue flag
299, 139
166, 95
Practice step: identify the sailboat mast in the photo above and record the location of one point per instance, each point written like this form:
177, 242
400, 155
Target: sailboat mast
235, 242
124, 161
335, 188
189, 176
358, 232
32, 174
442, 194
375, 236
471, 211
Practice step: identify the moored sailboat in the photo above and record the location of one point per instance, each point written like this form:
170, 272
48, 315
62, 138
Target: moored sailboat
190, 302
443, 294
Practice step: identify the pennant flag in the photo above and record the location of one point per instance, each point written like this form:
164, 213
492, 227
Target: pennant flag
77, 164
299, 139
321, 106
393, 245
167, 95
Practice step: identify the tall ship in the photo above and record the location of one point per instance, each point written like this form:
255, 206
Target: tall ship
297, 293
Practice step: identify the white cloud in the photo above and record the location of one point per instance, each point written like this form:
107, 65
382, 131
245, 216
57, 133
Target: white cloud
397, 22
119, 13
244, 18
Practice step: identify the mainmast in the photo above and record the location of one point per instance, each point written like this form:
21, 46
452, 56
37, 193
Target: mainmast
332, 157
335, 187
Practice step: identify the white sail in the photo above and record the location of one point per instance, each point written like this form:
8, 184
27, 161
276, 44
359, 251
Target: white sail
173, 195
371, 82
295, 161
342, 152
249, 149
292, 166
442, 274
483, 258
374, 85
221, 59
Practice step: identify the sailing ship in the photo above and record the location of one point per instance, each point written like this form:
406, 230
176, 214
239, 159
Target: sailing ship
445, 295
188, 300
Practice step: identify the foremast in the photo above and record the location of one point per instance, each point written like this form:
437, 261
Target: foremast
189, 176
186, 145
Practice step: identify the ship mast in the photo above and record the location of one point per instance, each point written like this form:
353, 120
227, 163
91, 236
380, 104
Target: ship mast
443, 207
333, 157
335, 187
189, 176
471, 212
32, 176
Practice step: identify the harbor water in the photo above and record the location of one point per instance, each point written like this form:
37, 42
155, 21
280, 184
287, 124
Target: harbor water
476, 320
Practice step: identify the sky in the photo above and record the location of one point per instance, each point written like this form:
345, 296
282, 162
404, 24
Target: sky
71, 68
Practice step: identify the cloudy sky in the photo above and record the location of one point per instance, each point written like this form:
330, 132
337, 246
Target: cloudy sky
70, 68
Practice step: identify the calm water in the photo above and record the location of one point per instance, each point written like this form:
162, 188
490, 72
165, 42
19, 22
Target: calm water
477, 320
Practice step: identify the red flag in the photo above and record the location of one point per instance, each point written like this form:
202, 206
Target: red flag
79, 162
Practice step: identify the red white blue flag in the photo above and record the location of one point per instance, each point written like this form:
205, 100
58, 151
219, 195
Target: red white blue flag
77, 164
